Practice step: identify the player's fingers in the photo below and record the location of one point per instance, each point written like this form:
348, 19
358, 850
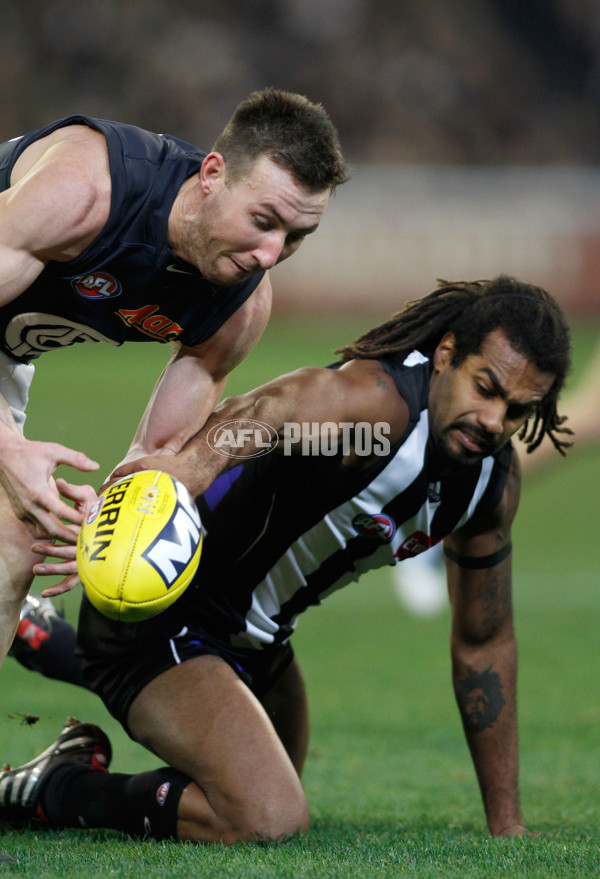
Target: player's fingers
71, 457
48, 525
48, 569
65, 585
55, 550
50, 506
83, 495
152, 462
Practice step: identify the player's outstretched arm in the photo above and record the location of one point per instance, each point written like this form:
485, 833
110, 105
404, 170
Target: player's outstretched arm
57, 203
193, 381
360, 391
484, 657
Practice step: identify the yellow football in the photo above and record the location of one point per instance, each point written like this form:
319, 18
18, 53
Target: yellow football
139, 546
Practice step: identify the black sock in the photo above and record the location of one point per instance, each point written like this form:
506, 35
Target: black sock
139, 805
57, 658
50, 653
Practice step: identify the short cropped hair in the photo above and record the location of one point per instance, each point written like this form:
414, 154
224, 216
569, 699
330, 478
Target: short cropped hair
293, 132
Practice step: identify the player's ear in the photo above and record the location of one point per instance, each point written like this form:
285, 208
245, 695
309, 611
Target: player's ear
212, 171
443, 354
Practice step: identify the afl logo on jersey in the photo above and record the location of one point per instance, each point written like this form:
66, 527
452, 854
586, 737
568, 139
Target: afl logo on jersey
98, 285
377, 527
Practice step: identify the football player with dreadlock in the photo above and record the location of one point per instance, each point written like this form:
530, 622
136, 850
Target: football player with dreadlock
212, 685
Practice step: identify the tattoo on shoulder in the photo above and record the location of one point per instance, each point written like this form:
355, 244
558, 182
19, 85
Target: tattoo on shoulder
480, 699
380, 380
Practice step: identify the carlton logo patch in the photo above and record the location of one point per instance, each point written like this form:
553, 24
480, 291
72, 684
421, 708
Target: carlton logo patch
98, 285
378, 527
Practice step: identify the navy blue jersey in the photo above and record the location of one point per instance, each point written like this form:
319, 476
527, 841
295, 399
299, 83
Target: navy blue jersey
282, 533
127, 285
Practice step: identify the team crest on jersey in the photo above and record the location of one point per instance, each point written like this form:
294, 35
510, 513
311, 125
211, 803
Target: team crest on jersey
98, 285
377, 527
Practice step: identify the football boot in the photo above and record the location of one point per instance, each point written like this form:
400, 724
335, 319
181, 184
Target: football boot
80, 744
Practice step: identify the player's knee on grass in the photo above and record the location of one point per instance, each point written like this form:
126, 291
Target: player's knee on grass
232, 821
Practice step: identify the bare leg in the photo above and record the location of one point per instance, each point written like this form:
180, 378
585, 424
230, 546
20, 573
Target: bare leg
287, 708
202, 720
16, 575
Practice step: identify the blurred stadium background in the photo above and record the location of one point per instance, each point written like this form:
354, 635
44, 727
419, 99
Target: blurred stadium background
473, 126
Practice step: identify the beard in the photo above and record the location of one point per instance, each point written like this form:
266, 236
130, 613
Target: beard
457, 453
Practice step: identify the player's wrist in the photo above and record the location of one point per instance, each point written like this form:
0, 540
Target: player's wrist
10, 437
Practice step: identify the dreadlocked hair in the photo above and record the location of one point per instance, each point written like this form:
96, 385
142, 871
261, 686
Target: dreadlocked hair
530, 318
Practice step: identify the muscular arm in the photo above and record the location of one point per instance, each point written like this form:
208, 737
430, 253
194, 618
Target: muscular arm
360, 391
57, 203
193, 381
484, 659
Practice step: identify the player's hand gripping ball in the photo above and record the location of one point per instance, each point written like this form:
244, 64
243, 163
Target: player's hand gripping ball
139, 546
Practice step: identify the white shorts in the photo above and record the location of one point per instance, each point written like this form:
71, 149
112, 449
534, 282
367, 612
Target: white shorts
15, 380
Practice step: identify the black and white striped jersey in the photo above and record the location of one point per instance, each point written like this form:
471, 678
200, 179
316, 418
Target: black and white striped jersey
284, 532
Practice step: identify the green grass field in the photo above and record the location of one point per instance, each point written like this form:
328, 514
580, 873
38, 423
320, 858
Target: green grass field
389, 780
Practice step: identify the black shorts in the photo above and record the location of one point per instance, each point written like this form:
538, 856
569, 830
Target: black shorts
119, 659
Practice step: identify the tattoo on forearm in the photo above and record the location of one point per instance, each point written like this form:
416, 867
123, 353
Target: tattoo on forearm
480, 699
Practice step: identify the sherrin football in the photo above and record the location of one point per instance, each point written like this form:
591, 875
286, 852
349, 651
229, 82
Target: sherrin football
139, 546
